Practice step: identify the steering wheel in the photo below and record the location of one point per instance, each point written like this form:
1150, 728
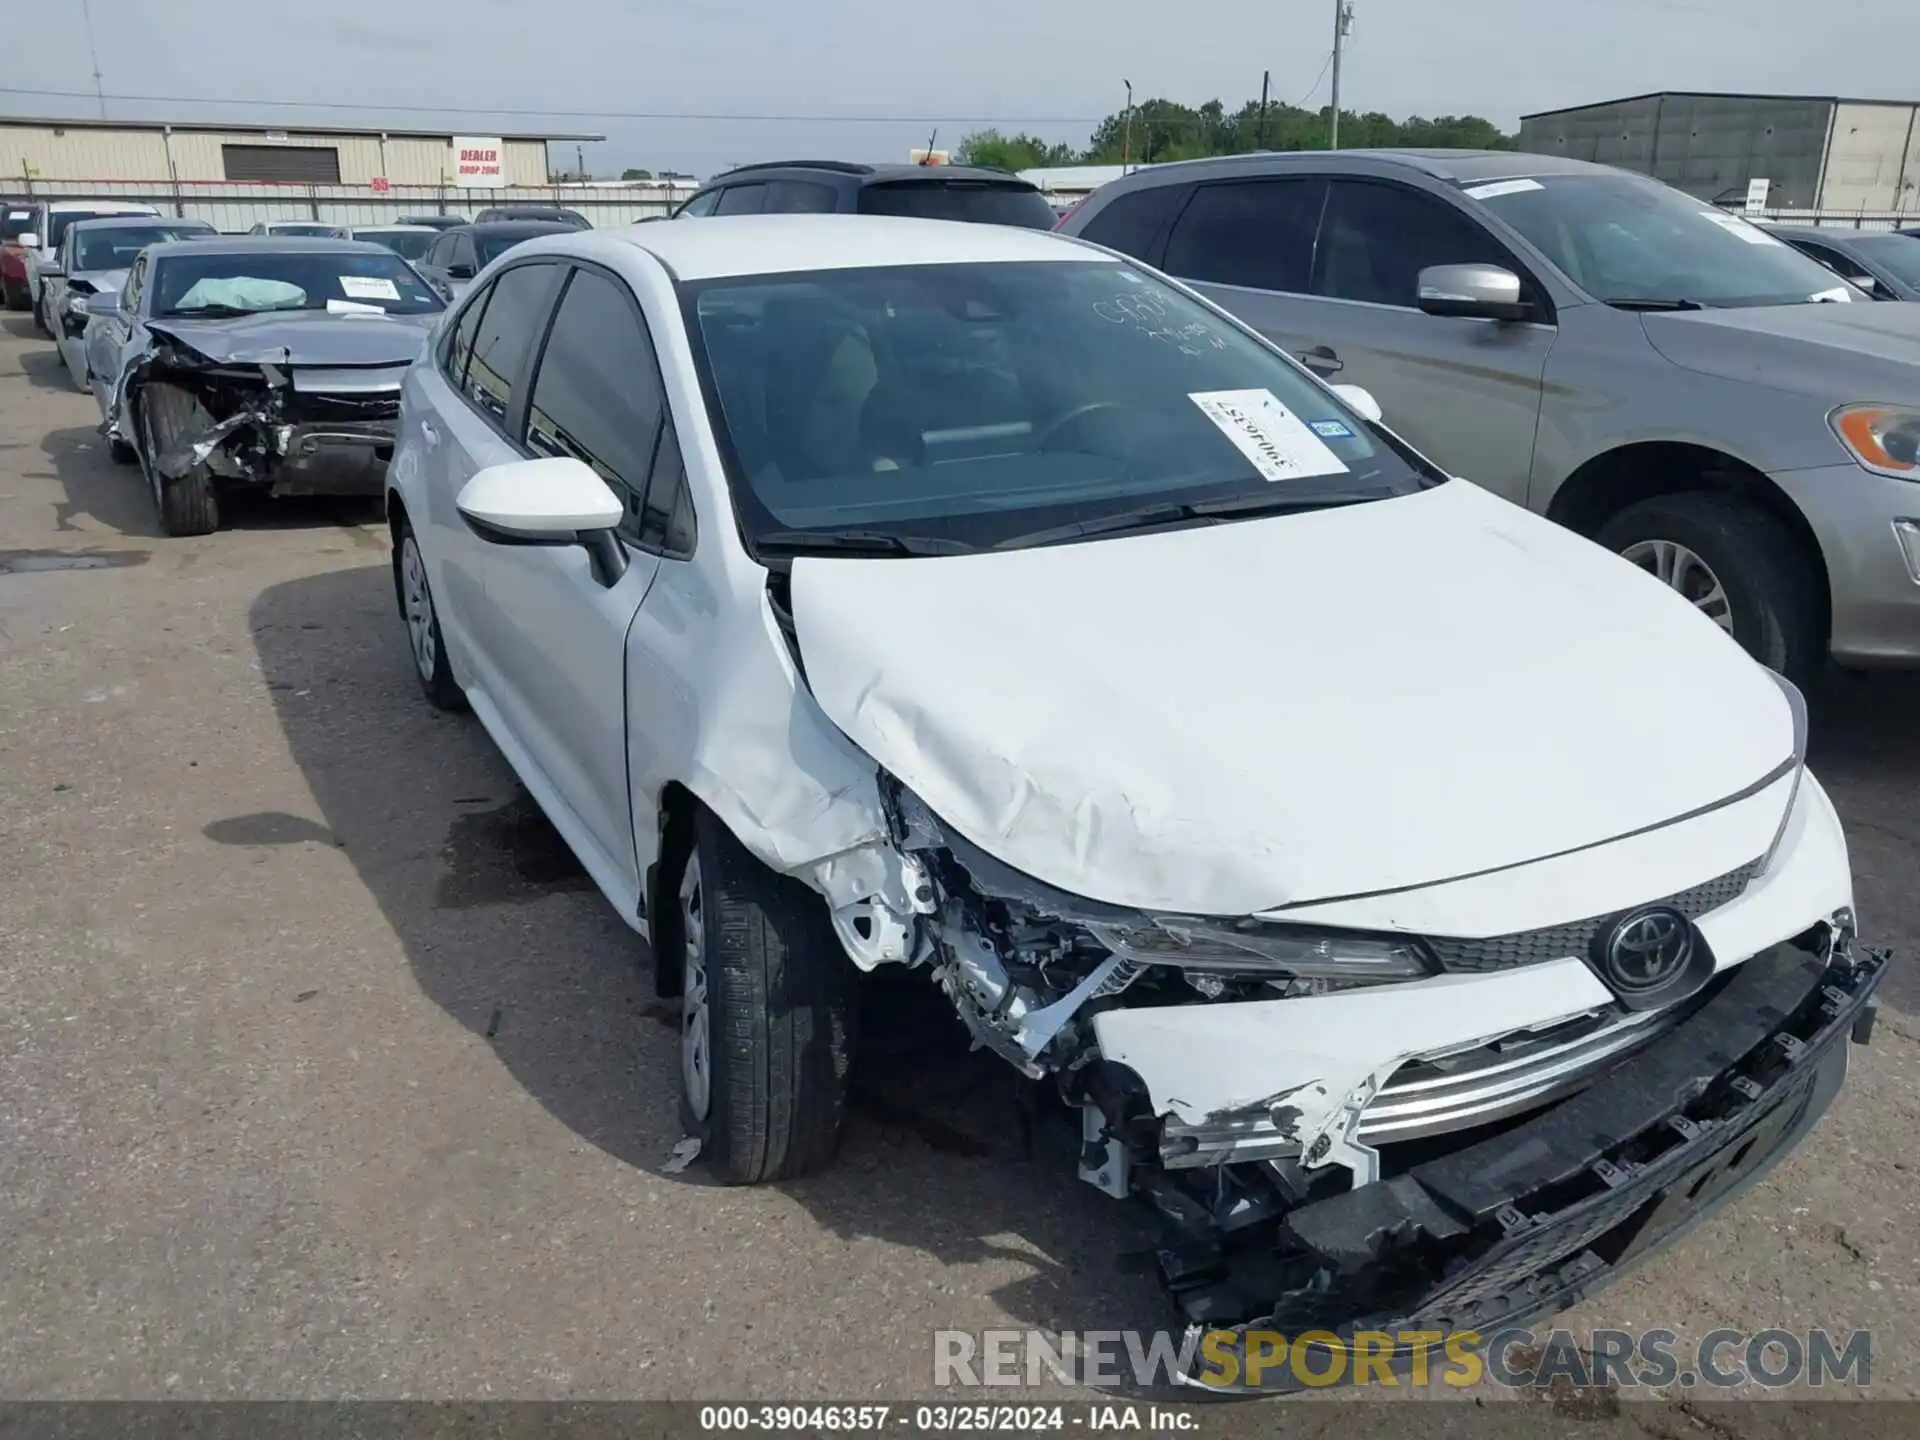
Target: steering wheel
1066, 418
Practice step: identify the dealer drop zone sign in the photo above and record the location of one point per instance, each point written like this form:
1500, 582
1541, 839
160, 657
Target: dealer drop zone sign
479, 162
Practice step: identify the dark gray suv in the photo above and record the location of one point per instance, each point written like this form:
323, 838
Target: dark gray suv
1656, 373
835, 187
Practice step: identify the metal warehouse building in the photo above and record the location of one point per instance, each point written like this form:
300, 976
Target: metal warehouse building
156, 152
1820, 152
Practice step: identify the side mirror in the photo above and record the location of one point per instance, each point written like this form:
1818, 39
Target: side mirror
1472, 292
1360, 399
557, 501
51, 269
27, 240
460, 270
101, 302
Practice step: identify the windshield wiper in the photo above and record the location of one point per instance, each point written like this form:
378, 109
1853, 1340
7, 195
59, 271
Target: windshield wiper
1151, 516
1651, 302
870, 542
206, 312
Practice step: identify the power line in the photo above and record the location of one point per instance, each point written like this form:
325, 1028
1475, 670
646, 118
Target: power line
1301, 104
563, 114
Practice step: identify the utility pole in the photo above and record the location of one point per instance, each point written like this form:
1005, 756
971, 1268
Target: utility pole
1126, 143
1342, 27
1266, 79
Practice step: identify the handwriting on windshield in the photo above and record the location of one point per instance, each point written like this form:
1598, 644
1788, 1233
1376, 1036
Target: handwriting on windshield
1147, 314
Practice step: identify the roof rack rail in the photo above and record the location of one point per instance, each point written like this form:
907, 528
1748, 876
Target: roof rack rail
843, 167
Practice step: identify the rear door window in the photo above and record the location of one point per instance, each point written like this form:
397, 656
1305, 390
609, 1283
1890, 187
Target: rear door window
699, 205
1255, 233
459, 346
981, 202
1134, 223
516, 311
800, 197
741, 200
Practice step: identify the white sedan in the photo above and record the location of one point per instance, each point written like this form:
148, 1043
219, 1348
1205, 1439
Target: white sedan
1355, 853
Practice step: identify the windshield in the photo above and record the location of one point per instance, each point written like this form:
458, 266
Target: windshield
1624, 239
114, 249
59, 220
14, 223
1898, 255
407, 244
225, 284
979, 201
297, 227
988, 404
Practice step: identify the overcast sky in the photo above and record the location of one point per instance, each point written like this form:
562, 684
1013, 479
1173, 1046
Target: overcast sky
1050, 68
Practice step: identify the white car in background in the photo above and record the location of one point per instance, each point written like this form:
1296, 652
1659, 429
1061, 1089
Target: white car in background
43, 244
94, 258
302, 229
859, 592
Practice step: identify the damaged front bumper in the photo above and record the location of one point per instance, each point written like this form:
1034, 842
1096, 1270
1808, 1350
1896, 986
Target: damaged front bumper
1532, 1219
288, 428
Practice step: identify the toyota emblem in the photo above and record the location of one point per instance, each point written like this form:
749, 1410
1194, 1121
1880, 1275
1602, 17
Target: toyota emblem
1647, 949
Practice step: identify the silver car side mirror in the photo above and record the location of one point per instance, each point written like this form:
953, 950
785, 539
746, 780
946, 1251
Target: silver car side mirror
1473, 292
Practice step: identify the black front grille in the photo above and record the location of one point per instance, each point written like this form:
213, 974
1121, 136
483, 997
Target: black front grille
1557, 942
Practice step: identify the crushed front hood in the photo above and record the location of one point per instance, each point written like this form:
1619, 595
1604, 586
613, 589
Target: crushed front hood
1232, 718
303, 337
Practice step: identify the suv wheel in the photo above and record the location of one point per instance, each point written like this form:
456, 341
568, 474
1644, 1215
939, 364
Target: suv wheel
1740, 566
185, 503
767, 1006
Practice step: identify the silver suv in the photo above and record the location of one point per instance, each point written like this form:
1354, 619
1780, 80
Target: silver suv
1653, 372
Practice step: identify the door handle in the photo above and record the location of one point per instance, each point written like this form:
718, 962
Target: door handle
429, 434
1322, 360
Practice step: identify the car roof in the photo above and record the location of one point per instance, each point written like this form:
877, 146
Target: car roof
877, 174
137, 222
392, 225
1462, 167
1832, 236
723, 245
512, 227
268, 245
104, 207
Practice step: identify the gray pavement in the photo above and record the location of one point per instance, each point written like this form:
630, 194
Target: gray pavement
324, 1071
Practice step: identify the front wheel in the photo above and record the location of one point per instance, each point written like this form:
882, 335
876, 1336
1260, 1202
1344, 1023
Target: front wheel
167, 417
767, 1012
429, 646
1740, 567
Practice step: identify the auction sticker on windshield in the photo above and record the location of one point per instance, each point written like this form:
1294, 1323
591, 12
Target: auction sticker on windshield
1497, 188
1275, 440
369, 287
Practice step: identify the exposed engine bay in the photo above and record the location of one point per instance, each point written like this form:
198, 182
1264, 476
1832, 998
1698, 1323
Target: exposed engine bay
295, 429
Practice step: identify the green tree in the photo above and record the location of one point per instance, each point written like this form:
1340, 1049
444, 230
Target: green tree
1011, 152
631, 174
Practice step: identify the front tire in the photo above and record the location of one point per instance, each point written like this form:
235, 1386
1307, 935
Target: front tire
767, 1012
1740, 566
40, 313
186, 503
424, 638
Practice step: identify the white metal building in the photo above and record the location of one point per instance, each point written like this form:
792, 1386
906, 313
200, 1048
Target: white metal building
155, 152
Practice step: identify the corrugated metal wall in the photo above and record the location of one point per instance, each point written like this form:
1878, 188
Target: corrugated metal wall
1703, 144
1873, 161
59, 153
234, 207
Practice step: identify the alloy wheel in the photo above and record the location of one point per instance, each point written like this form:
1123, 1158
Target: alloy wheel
1678, 568
696, 1026
419, 603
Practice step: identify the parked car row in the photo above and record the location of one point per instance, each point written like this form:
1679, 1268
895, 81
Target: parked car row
1655, 373
1427, 913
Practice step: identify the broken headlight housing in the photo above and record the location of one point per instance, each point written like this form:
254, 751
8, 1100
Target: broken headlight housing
1260, 949
1883, 438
